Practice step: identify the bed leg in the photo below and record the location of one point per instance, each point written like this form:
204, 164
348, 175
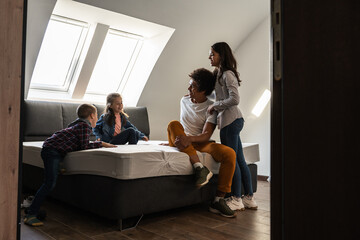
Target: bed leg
120, 224
129, 223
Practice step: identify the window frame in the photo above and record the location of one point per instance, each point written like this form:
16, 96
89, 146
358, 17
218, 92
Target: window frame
74, 63
134, 56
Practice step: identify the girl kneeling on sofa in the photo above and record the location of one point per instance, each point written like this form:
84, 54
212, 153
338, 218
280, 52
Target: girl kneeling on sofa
114, 127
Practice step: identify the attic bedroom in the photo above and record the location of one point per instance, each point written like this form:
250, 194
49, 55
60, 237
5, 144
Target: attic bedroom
145, 50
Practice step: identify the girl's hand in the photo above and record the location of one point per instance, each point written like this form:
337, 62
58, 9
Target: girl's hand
145, 138
107, 145
211, 109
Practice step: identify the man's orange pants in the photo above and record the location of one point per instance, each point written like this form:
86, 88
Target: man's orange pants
224, 155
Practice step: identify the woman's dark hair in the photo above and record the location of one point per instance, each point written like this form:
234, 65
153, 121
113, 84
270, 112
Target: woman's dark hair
204, 79
109, 115
227, 60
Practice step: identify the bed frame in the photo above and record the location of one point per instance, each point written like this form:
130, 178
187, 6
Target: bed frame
105, 196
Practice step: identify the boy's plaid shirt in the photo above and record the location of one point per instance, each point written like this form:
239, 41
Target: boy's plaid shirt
74, 138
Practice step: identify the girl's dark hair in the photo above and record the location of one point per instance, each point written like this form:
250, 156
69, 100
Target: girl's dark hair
109, 115
227, 60
204, 79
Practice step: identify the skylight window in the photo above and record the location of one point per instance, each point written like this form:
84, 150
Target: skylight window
115, 62
59, 54
88, 52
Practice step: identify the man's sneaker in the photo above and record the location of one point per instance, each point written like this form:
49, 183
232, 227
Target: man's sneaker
249, 202
235, 204
202, 175
220, 207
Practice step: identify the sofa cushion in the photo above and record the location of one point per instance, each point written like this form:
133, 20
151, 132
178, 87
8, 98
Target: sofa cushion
69, 113
138, 116
100, 109
42, 118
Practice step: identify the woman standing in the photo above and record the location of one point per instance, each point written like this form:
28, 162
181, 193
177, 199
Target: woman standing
230, 121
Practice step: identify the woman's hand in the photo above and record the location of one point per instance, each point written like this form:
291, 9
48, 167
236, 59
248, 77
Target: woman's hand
145, 138
211, 109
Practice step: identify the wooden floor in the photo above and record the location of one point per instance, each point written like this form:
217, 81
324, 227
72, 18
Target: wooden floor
195, 222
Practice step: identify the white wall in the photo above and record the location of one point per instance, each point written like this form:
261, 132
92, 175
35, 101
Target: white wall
38, 15
253, 56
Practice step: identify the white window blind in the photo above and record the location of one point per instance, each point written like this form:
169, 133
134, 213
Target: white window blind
59, 54
114, 64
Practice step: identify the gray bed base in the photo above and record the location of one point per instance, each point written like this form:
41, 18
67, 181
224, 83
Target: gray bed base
123, 199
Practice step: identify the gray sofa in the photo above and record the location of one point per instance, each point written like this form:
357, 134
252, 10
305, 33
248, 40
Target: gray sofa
108, 197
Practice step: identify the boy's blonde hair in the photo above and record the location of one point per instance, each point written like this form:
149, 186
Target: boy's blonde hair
85, 110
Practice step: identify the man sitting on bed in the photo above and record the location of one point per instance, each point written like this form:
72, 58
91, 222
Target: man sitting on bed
193, 133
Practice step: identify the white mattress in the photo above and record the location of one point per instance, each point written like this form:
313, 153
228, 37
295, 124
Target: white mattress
146, 159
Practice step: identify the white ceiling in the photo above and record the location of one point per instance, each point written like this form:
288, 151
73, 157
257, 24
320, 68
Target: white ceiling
196, 21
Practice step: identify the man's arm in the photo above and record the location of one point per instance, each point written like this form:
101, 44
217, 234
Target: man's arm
185, 141
206, 133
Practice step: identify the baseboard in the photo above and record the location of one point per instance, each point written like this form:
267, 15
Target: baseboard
262, 178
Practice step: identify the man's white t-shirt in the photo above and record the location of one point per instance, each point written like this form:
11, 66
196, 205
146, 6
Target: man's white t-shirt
193, 116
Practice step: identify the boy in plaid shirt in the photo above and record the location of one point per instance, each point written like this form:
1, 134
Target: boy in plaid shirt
73, 138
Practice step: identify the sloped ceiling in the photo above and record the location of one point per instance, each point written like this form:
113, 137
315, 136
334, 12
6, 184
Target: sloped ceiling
195, 20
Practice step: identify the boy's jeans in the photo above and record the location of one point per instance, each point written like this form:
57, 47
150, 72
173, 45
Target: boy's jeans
51, 158
230, 136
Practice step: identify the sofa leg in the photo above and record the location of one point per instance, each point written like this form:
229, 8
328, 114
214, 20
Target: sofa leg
129, 223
